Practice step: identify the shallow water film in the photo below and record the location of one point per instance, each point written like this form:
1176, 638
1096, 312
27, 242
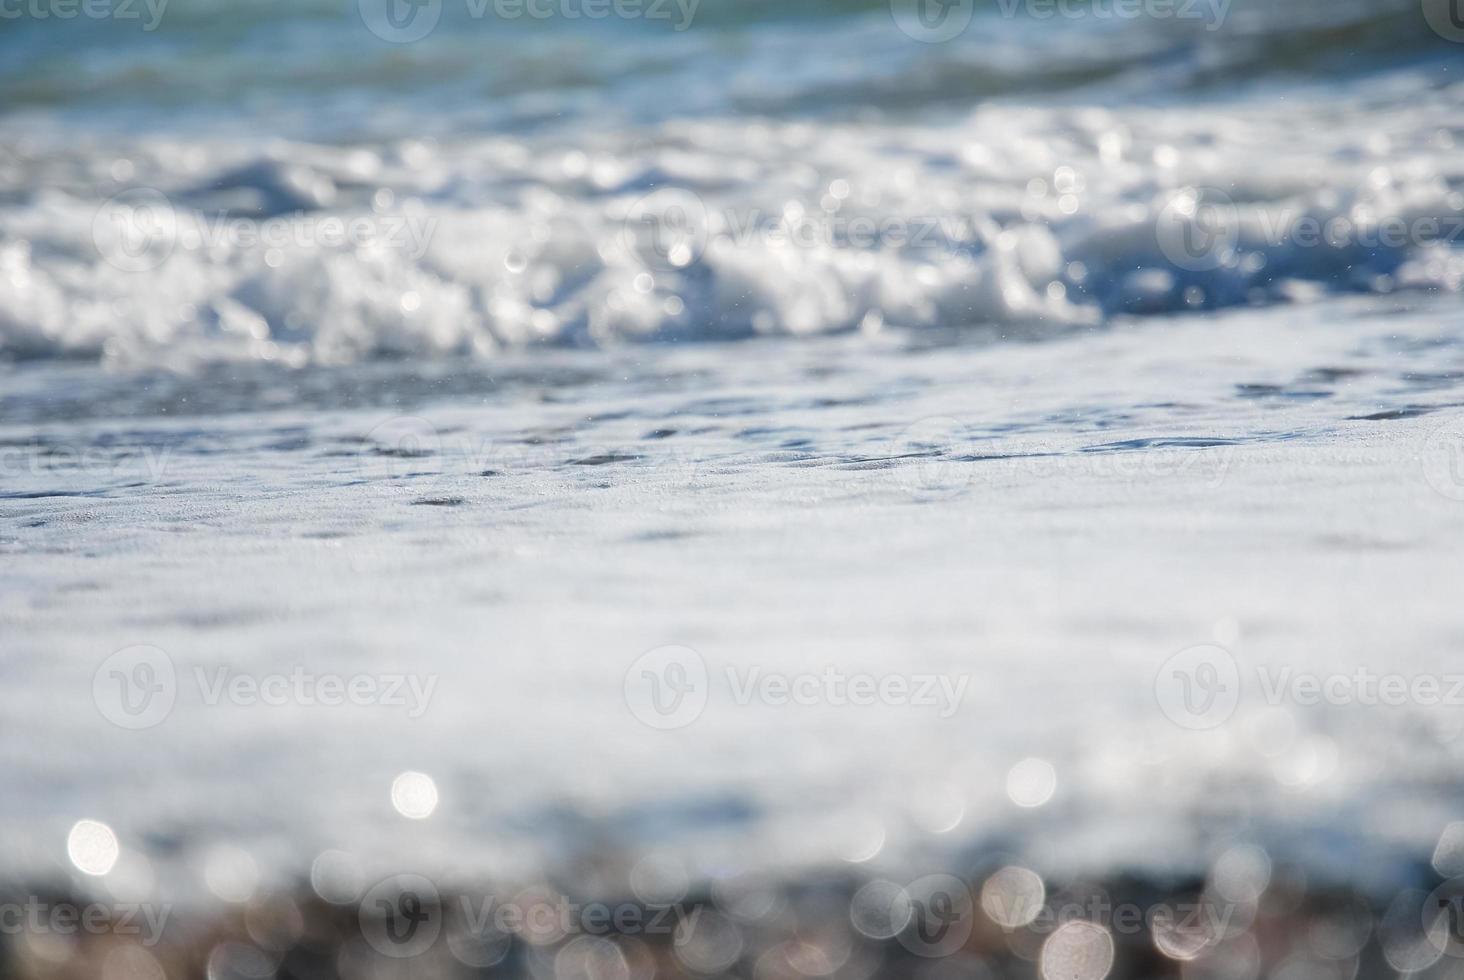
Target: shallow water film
643, 489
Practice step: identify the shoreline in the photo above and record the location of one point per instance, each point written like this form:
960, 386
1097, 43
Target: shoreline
1246, 917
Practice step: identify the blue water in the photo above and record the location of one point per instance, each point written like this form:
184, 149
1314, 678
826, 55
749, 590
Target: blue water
315, 69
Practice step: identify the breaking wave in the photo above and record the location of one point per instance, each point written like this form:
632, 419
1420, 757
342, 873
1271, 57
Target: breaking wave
1159, 171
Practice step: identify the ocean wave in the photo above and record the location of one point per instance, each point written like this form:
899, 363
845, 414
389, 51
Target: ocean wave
1020, 220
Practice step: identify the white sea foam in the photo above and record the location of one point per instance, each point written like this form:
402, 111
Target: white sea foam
1023, 219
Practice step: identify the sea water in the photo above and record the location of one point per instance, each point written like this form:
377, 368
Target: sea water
381, 405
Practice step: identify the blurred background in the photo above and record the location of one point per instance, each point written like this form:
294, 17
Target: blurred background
629, 489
